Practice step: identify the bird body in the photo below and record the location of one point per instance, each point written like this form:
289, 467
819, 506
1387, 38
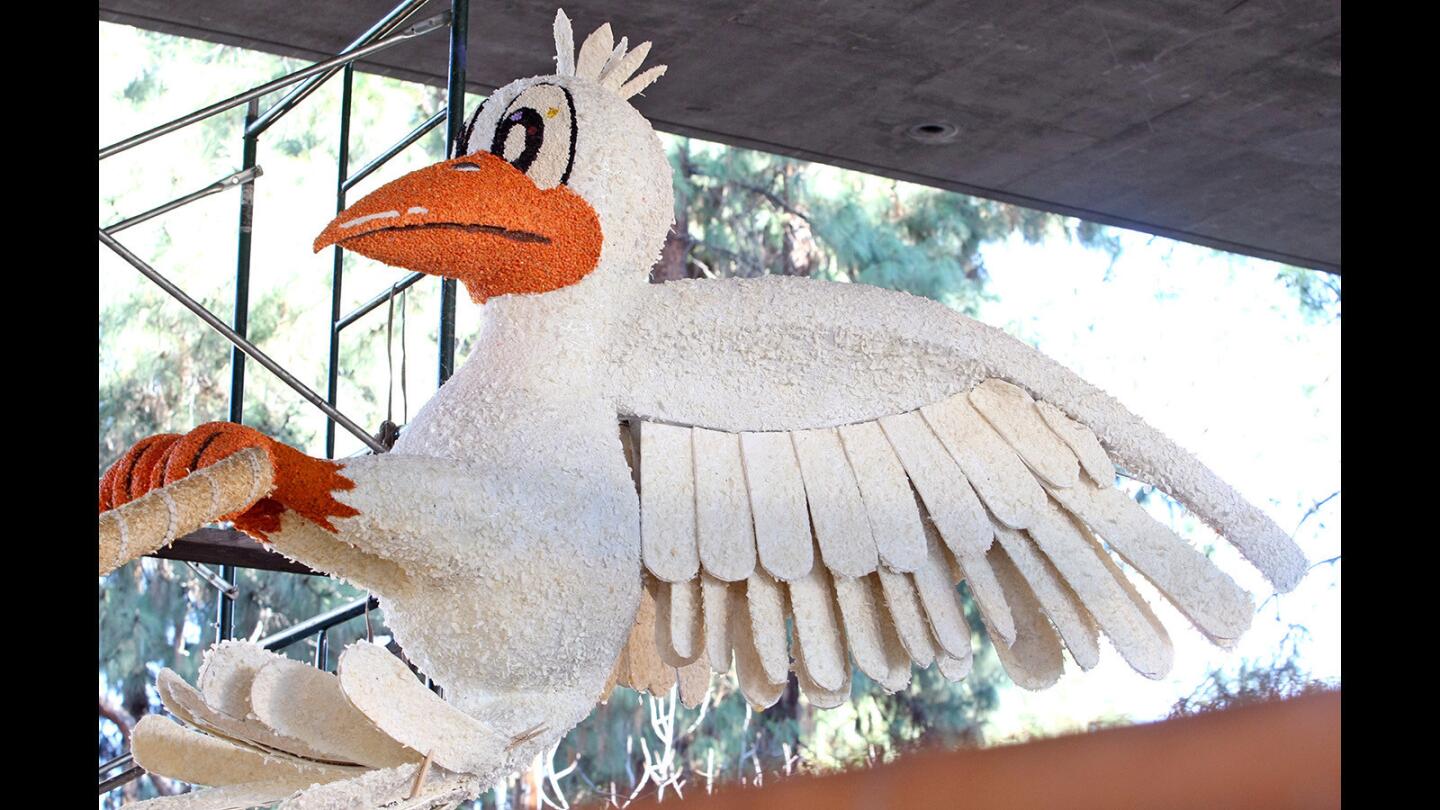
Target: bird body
723, 458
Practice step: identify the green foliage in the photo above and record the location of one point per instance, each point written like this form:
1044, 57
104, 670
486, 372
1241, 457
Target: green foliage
1317, 292
744, 213
1279, 678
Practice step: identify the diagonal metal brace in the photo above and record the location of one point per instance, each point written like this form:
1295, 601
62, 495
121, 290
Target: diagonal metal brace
244, 345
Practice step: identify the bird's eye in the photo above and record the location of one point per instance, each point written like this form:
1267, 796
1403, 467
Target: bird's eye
519, 137
540, 145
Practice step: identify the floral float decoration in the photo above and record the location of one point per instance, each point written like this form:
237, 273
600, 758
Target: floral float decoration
621, 486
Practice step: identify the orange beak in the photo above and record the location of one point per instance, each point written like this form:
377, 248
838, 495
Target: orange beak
477, 219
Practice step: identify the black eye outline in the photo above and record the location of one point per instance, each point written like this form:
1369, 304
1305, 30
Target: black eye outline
534, 125
497, 144
462, 143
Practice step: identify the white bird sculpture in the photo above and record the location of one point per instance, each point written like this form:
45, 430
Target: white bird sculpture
611, 442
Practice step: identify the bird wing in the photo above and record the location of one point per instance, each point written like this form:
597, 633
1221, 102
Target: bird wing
862, 453
261, 727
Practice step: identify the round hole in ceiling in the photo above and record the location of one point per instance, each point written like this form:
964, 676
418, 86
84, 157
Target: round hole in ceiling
932, 132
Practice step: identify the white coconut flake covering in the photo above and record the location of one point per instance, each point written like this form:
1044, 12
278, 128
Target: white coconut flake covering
907, 615
889, 500
777, 502
305, 702
817, 630
766, 600
836, 509
165, 748
1060, 603
1034, 660
935, 584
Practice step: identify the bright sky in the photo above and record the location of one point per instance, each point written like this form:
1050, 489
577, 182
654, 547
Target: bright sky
1212, 350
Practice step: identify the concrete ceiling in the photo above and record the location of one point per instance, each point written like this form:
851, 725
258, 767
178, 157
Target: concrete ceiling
1211, 121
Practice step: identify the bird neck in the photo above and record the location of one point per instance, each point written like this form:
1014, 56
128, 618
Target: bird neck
537, 366
552, 340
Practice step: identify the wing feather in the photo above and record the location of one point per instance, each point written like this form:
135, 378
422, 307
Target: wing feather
836, 510
386, 691
667, 501
975, 570
758, 689
305, 702
766, 599
887, 495
663, 643
1129, 623
820, 697
1204, 593
817, 630
227, 673
1060, 603
954, 670
908, 616
777, 501
715, 603
687, 638
1082, 443
187, 704
722, 506
648, 672
998, 475
869, 634
1012, 413
1034, 661
694, 683
935, 585
164, 747
947, 496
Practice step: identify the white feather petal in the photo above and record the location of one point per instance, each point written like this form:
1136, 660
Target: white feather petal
766, 601
777, 502
667, 500
722, 506
817, 629
594, 52
998, 475
1064, 608
889, 501
1012, 413
1206, 595
836, 509
564, 45
952, 504
1034, 660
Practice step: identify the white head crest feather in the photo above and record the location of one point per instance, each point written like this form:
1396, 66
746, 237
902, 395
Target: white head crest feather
601, 60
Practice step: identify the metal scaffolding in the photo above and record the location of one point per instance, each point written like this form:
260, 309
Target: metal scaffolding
389, 31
